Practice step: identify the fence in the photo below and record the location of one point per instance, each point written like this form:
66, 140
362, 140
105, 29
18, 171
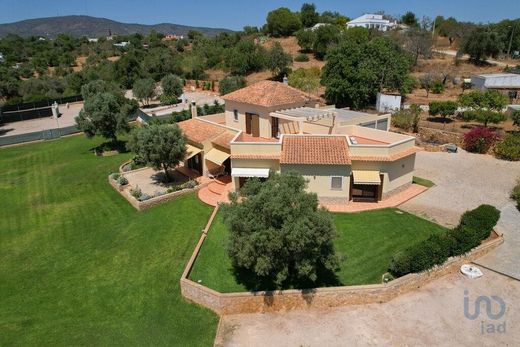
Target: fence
46, 134
39, 104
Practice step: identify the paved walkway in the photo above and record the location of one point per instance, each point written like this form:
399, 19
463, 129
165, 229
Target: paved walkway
216, 192
464, 181
431, 316
506, 259
392, 201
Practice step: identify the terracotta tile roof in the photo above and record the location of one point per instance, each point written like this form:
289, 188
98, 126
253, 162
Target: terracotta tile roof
199, 131
243, 137
268, 94
224, 140
255, 156
321, 150
392, 157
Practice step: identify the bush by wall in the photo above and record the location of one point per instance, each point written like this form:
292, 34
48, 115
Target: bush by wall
474, 227
515, 194
509, 148
480, 140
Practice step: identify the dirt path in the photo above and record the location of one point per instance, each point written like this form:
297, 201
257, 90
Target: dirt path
431, 316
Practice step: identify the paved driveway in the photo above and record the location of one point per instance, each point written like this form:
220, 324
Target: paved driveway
431, 316
464, 181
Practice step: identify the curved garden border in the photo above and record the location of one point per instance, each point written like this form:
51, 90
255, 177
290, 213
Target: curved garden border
265, 301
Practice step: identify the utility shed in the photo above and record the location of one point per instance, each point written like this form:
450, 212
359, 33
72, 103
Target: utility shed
507, 83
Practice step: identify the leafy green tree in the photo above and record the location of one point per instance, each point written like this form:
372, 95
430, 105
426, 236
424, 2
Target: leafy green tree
410, 19
104, 115
246, 57
99, 86
308, 15
335, 18
450, 28
443, 109
278, 61
162, 146
171, 86
354, 73
231, 83
307, 80
480, 44
327, 36
194, 35
144, 90
484, 107
305, 39
279, 237
515, 116
282, 22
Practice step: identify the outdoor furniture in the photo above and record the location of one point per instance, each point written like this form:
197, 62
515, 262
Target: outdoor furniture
451, 148
217, 173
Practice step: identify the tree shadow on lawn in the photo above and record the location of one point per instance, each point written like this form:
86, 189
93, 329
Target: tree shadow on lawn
109, 146
439, 120
252, 282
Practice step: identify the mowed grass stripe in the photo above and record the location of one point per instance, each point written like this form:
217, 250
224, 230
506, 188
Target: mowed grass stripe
80, 266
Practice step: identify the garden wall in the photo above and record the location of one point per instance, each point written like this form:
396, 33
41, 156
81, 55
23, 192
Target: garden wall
250, 302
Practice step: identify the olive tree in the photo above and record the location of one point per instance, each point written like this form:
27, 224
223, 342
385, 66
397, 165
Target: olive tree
171, 86
104, 114
144, 90
278, 235
162, 146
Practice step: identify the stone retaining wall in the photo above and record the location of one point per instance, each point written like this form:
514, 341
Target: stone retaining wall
250, 302
154, 201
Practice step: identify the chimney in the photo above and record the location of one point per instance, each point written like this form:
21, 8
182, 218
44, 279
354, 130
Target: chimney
285, 80
193, 109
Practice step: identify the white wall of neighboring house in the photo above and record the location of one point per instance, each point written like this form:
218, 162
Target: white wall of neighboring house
388, 102
371, 21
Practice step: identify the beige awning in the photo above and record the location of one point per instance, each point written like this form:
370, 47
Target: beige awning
216, 156
366, 177
191, 151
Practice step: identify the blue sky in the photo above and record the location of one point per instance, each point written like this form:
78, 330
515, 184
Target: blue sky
235, 14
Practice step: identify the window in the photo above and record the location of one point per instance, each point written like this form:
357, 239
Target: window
235, 115
336, 183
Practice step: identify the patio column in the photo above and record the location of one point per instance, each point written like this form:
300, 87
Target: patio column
300, 125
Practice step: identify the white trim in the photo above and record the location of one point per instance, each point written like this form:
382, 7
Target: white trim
249, 172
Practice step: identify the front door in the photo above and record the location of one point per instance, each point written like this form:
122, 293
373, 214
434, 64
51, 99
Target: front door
252, 124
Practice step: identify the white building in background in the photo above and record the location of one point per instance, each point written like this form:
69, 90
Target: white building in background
1, 57
372, 21
496, 81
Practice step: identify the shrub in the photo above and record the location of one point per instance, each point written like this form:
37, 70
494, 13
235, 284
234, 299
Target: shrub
301, 57
437, 87
482, 220
479, 140
442, 108
515, 194
509, 148
122, 181
115, 176
190, 184
136, 192
144, 197
407, 119
474, 227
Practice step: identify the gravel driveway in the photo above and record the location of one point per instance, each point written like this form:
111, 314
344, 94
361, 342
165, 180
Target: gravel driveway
464, 181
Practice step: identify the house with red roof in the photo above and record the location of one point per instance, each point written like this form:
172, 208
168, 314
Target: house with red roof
271, 127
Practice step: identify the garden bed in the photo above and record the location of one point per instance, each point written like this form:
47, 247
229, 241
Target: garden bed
366, 242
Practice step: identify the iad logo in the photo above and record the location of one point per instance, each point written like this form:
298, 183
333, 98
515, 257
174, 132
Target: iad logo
487, 327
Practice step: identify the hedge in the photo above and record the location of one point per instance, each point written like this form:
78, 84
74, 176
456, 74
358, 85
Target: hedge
509, 148
474, 227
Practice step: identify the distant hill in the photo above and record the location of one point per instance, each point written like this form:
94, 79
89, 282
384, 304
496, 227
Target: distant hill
94, 27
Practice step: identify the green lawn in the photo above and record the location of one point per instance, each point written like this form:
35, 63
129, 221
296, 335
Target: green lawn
80, 266
366, 242
423, 182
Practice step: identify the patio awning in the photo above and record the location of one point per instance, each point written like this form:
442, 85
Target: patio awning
366, 177
249, 172
216, 156
191, 151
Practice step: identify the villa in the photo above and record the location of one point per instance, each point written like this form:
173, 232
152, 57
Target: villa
371, 21
270, 126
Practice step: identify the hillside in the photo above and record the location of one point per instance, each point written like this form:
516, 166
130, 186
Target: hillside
93, 27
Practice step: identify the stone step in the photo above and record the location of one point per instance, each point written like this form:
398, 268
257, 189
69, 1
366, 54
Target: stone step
217, 188
208, 197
